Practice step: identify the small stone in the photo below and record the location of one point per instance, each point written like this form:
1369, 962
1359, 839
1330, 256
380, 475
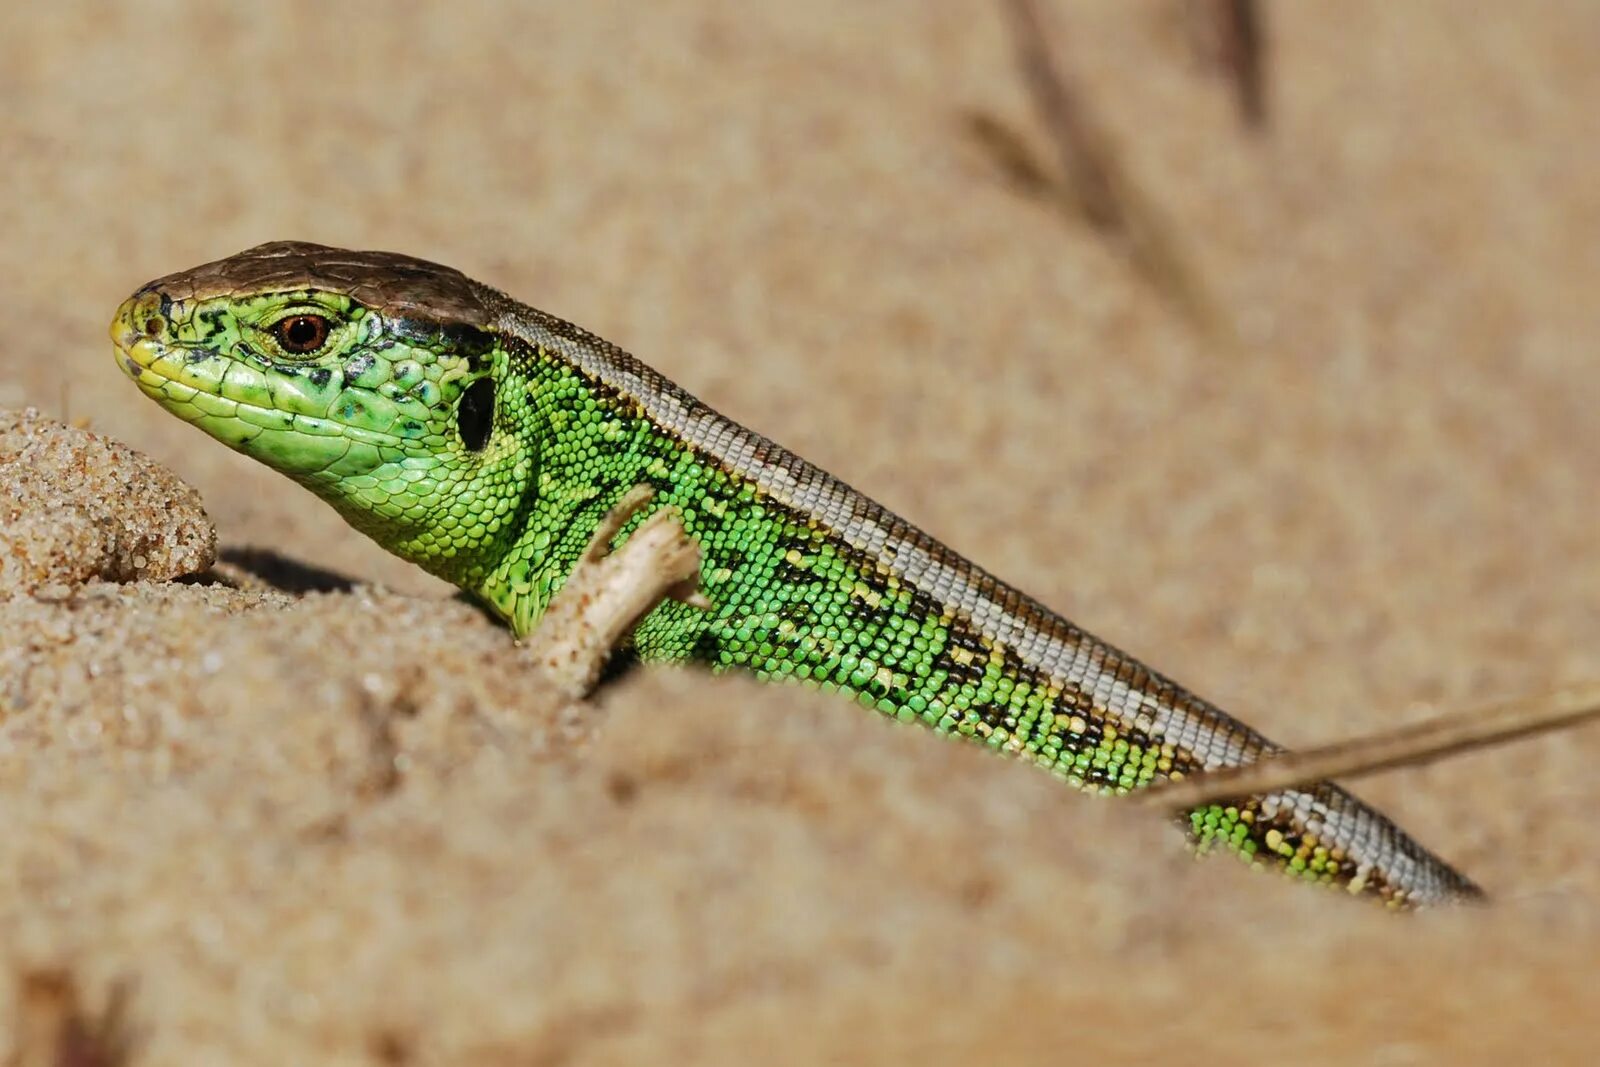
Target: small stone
76, 507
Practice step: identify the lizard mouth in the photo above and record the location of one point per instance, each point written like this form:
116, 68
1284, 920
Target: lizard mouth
190, 383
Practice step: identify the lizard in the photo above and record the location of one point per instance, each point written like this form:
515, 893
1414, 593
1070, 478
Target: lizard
487, 441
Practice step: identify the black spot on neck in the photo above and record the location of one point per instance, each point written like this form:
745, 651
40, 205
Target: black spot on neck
475, 414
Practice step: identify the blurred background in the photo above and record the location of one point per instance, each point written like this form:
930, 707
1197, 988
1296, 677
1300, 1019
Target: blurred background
1259, 339
1336, 411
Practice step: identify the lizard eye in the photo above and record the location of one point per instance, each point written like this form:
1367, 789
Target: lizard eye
301, 335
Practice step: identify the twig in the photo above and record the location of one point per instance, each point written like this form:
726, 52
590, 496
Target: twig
1417, 743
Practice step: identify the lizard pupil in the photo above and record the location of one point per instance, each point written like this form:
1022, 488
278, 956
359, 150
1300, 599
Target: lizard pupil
302, 334
475, 414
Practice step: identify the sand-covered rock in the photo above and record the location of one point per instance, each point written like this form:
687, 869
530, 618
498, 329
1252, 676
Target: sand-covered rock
76, 506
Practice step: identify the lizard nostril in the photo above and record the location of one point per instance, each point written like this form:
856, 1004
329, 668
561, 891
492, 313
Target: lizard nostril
142, 316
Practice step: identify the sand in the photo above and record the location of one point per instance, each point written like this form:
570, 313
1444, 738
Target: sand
309, 807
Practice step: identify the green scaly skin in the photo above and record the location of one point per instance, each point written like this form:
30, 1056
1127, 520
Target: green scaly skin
483, 441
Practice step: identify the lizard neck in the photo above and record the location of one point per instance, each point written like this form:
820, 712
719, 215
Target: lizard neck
451, 509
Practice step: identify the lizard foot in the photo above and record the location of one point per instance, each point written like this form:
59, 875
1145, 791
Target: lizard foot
610, 591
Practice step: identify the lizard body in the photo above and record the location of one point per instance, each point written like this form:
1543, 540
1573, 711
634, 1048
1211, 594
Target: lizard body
485, 441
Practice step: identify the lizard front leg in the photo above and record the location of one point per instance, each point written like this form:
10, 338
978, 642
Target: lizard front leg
608, 592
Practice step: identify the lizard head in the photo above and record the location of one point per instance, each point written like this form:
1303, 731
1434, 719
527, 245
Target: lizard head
371, 378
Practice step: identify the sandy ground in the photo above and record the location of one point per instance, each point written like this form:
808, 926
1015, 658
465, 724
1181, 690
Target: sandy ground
307, 808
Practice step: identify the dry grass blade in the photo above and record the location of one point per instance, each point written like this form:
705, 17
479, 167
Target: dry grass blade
53, 1027
1231, 35
1244, 52
1095, 184
1087, 162
1420, 742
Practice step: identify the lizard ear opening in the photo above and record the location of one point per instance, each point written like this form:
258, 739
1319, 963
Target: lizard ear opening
475, 414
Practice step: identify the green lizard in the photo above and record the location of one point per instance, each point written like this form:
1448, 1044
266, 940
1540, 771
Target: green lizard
485, 441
